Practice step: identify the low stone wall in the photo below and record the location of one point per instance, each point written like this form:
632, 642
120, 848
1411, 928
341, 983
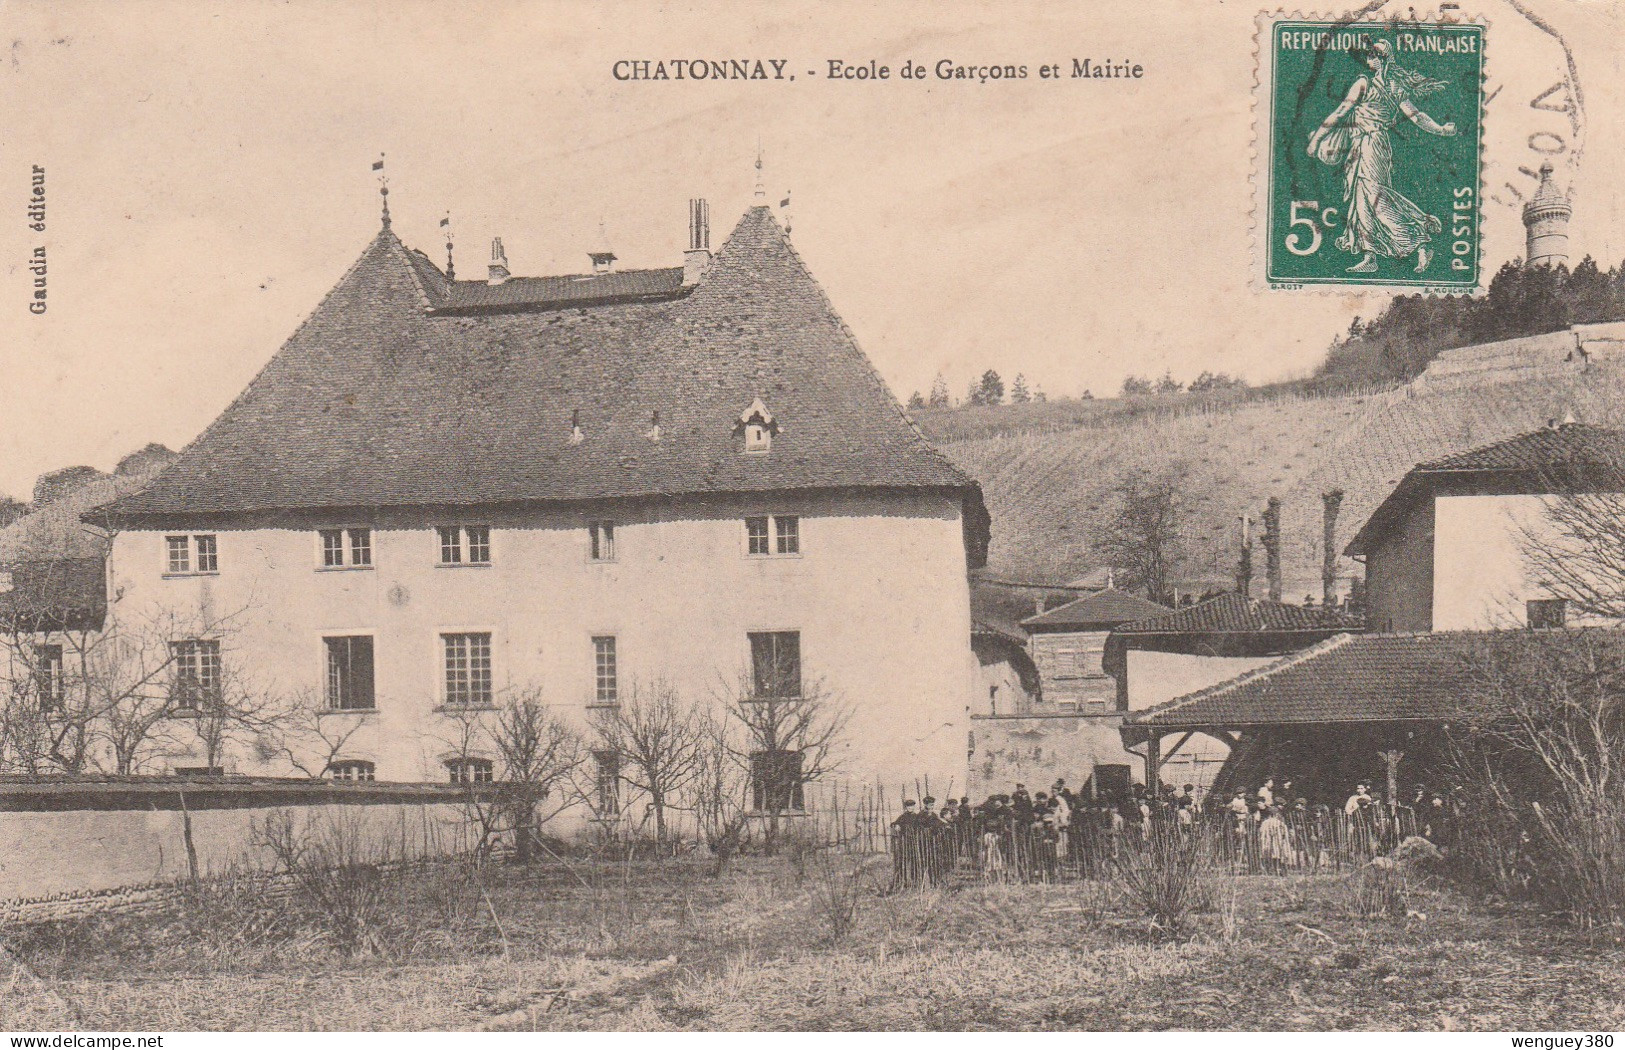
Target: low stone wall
71, 838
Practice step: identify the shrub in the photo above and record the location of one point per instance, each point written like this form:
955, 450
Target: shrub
339, 870
1169, 876
1379, 889
1542, 767
838, 886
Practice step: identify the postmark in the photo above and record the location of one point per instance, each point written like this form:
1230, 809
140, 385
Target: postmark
1372, 153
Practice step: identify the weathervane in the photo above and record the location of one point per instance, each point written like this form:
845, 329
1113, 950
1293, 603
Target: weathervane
383, 186
451, 264
761, 187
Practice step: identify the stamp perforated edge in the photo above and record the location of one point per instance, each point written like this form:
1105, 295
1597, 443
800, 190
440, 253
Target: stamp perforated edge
1258, 156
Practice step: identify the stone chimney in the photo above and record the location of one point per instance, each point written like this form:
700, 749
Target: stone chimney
698, 256
603, 260
1244, 558
498, 272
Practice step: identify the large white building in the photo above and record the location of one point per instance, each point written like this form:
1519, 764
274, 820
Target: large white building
442, 492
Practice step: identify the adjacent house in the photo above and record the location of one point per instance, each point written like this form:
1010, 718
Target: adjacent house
1067, 726
1069, 643
1451, 563
1447, 549
444, 492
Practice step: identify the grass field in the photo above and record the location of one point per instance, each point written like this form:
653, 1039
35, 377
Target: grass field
605, 945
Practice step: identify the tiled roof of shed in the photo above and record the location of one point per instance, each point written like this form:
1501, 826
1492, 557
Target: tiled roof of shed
1234, 613
1106, 608
1347, 678
381, 398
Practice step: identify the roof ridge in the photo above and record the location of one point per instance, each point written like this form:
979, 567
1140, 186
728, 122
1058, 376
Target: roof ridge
564, 276
412, 271
852, 341
385, 234
1437, 464
1336, 641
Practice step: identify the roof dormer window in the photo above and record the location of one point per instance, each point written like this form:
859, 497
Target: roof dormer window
758, 426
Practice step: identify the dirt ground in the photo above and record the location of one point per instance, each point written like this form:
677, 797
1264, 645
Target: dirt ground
647, 946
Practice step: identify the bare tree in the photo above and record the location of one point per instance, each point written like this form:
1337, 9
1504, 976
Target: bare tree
657, 739
720, 788
1542, 757
309, 739
540, 756
1575, 547
233, 712
101, 690
789, 730
1143, 534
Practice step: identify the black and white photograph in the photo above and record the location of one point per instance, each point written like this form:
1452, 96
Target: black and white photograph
578, 516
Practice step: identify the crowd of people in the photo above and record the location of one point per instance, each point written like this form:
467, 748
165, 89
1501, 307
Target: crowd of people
1050, 834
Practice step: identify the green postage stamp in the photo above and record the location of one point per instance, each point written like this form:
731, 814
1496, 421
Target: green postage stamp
1373, 156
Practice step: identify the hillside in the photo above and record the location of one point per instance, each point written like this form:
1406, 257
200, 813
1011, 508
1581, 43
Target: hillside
1045, 487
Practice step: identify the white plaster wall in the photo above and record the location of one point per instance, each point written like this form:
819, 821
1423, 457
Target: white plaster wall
879, 594
1156, 678
1481, 578
48, 852
1036, 750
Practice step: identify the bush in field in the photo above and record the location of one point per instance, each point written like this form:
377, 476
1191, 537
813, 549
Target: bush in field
838, 885
1169, 876
1379, 890
339, 868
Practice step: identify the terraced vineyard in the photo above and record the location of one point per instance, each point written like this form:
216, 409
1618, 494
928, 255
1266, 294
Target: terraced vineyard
1045, 487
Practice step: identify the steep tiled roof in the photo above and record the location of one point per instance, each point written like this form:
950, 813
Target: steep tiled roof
1536, 459
1235, 613
1106, 608
1347, 678
383, 398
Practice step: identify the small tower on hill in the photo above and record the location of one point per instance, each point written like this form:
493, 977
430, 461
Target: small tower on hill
1546, 218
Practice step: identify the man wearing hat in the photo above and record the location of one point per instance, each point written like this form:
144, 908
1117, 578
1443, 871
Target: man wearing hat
904, 836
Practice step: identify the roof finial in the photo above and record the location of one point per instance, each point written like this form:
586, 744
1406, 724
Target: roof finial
761, 187
451, 264
383, 186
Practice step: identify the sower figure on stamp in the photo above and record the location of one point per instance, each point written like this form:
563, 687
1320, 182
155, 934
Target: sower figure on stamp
1357, 136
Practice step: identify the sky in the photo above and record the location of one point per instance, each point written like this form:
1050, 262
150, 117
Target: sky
208, 179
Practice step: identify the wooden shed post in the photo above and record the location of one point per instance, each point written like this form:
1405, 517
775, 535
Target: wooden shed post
1153, 763
1391, 760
